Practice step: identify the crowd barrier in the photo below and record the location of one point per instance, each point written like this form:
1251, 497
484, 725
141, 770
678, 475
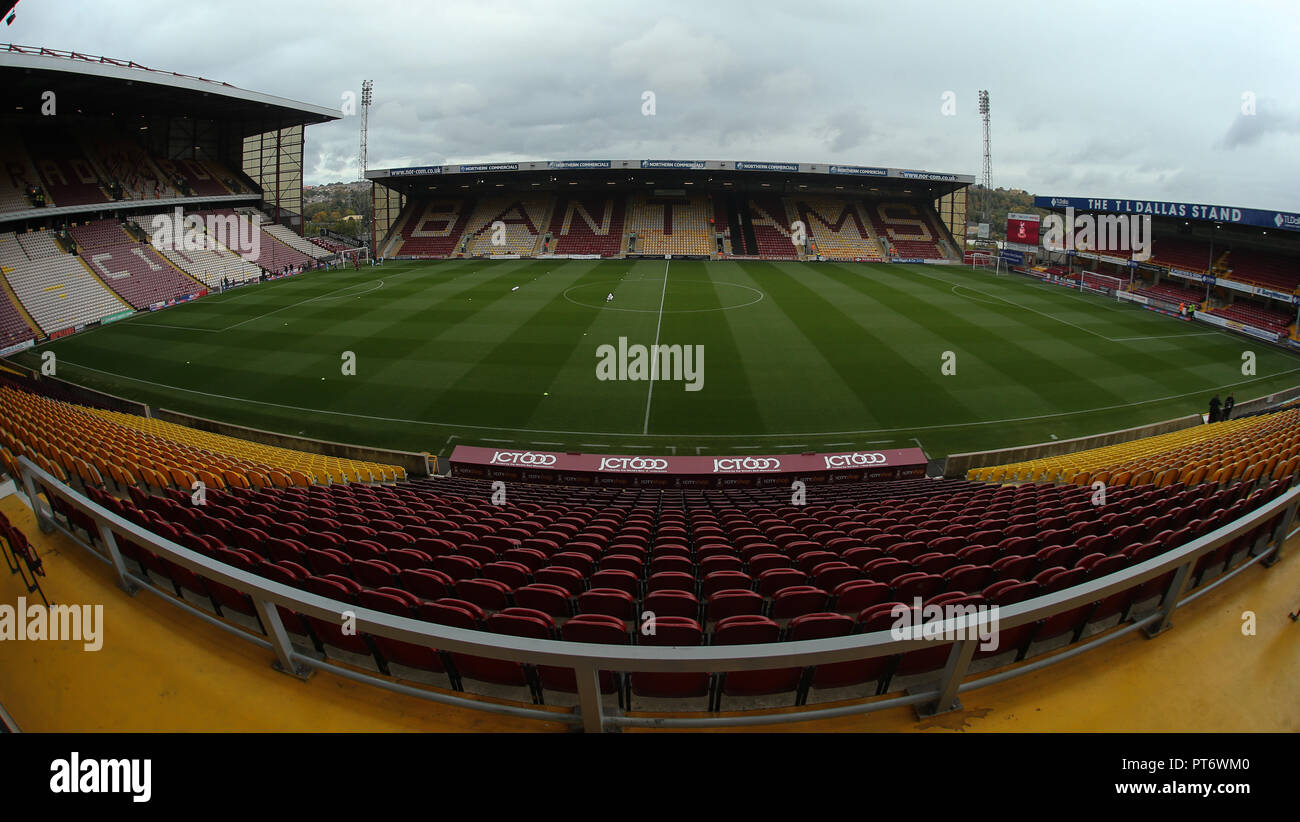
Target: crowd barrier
587, 660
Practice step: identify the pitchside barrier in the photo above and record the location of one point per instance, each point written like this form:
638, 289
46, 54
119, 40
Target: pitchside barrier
587, 660
958, 464
623, 471
416, 465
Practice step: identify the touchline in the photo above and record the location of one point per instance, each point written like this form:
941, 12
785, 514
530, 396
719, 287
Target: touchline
78, 623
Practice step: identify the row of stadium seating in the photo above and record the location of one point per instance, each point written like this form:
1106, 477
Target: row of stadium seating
1182, 252
113, 271
72, 169
1271, 270
1257, 315
839, 228
287, 236
332, 246
268, 251
132, 269
521, 217
99, 446
909, 228
670, 225
1170, 292
587, 225
17, 174
1262, 268
713, 567
772, 231
1219, 452
210, 266
57, 290
430, 228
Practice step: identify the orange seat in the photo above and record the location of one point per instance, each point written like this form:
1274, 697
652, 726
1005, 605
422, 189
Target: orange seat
235, 479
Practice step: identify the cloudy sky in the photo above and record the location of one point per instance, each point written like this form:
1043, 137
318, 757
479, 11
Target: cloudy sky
1117, 99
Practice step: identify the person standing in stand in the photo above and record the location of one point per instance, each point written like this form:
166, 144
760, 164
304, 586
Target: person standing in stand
1214, 409
1227, 407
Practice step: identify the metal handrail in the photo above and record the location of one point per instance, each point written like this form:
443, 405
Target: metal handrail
588, 659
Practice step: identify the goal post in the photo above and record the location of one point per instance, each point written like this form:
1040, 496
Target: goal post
987, 262
359, 256
1100, 283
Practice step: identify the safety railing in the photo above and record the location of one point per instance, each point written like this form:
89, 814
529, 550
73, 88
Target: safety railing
588, 660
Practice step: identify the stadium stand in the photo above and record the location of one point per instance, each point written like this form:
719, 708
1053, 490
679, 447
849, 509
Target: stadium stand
670, 225
1262, 268
523, 217
716, 567
1097, 282
126, 163
431, 228
331, 246
192, 177
132, 269
771, 221
1182, 253
59, 292
1217, 452
587, 225
17, 173
67, 175
907, 227
722, 225
11, 252
1256, 315
130, 451
211, 267
287, 236
39, 244
838, 228
1171, 293
270, 254
14, 325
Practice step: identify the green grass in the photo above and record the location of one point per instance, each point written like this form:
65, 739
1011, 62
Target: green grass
797, 357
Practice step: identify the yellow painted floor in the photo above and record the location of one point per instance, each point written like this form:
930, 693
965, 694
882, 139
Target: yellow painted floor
161, 669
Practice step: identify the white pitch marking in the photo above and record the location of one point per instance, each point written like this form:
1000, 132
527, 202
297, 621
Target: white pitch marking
654, 361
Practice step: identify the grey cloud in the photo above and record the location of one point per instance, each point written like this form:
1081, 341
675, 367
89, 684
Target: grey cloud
1074, 107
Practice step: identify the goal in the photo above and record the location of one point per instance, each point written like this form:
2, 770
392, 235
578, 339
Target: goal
988, 262
359, 256
1100, 283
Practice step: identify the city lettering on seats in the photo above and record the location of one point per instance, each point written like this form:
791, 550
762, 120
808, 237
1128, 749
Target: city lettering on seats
130, 776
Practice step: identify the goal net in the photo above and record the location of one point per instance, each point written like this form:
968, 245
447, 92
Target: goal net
357, 256
1100, 283
988, 262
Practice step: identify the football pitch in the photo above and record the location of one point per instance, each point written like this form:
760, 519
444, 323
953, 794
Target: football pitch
795, 357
